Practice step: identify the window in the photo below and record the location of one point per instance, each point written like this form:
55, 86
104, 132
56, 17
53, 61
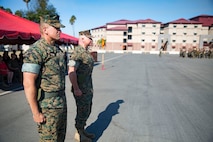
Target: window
124, 40
195, 26
129, 29
125, 33
173, 40
195, 33
194, 41
153, 40
174, 33
185, 26
174, 26
129, 36
205, 43
154, 26
143, 25
184, 40
153, 33
185, 33
143, 33
143, 40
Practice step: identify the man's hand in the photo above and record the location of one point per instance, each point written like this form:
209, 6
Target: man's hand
77, 92
39, 118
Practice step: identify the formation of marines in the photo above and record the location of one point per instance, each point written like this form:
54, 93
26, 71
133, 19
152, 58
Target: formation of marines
205, 52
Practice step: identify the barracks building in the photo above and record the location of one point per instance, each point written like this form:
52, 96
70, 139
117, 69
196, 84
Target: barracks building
150, 36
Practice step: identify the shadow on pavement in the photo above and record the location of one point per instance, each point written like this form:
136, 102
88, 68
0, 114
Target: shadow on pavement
97, 63
14, 86
104, 118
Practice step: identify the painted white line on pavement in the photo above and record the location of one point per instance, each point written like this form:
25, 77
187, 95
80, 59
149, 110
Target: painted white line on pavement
8, 92
137, 52
107, 60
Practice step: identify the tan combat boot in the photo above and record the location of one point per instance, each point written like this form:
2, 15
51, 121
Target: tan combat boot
81, 137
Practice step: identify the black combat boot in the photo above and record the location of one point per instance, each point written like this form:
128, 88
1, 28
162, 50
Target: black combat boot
89, 135
81, 137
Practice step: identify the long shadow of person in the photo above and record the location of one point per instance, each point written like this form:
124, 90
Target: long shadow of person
104, 119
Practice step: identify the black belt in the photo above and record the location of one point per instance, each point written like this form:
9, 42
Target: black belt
44, 95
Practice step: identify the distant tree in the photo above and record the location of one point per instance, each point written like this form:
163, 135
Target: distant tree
6, 9
27, 1
101, 42
9, 10
41, 7
72, 21
32, 16
19, 13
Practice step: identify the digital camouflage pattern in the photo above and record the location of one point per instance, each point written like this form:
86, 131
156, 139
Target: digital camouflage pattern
85, 68
54, 130
84, 78
52, 60
50, 79
52, 20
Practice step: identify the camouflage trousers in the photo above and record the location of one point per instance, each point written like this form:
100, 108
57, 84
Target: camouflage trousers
54, 130
84, 106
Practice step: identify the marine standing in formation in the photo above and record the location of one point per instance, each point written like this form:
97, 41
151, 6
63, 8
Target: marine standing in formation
80, 73
44, 72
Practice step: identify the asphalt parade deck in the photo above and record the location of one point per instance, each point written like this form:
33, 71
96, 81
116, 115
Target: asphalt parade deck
137, 98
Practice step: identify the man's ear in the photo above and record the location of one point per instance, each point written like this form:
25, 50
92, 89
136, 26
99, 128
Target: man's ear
45, 30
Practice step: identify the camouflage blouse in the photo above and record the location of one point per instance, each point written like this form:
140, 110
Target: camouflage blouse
83, 61
49, 63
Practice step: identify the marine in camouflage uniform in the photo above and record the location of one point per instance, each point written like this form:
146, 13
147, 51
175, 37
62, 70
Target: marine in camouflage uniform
44, 71
81, 78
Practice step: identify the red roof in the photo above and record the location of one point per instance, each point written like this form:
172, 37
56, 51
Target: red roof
206, 20
118, 28
124, 22
184, 21
148, 21
17, 30
101, 27
120, 22
65, 38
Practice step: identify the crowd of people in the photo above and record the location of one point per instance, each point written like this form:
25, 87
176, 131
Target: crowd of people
10, 68
205, 52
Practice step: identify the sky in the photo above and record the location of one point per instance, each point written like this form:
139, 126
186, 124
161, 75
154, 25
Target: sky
94, 13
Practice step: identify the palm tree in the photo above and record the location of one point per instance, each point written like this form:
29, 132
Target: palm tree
72, 21
27, 1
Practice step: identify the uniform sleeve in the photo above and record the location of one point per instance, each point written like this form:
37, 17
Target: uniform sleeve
32, 61
29, 67
73, 63
74, 59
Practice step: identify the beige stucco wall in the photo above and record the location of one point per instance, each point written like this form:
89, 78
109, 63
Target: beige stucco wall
145, 36
211, 30
97, 35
